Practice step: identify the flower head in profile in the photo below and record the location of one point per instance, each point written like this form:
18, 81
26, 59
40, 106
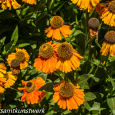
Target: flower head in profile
21, 55
9, 3
67, 58
15, 66
46, 62
86, 4
57, 27
68, 95
30, 91
93, 24
10, 79
108, 44
108, 13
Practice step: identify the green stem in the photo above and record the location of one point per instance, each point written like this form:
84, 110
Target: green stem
89, 49
86, 28
98, 65
65, 77
92, 81
59, 76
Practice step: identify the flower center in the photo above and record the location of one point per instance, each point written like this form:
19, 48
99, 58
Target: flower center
110, 37
65, 50
20, 56
15, 63
57, 22
111, 6
66, 89
46, 50
93, 23
30, 86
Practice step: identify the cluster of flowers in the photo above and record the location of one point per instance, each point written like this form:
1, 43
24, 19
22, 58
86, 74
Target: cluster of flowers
7, 79
58, 56
52, 57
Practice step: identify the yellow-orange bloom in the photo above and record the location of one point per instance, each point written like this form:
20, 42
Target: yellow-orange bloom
68, 95
57, 27
108, 14
9, 3
2, 70
30, 91
21, 55
67, 58
10, 79
108, 44
86, 4
29, 1
46, 62
2, 79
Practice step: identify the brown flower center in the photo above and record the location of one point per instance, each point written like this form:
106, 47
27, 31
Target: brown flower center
15, 63
65, 50
46, 50
20, 56
111, 6
30, 86
57, 22
66, 89
110, 37
93, 23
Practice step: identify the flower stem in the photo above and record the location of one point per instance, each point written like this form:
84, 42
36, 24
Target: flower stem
96, 70
89, 49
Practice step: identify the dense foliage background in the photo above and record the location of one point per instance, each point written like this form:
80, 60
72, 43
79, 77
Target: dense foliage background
24, 28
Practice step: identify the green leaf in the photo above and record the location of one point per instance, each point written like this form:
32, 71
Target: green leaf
15, 35
96, 106
89, 96
48, 87
77, 32
111, 103
87, 106
2, 10
113, 111
83, 79
7, 47
112, 82
23, 45
25, 10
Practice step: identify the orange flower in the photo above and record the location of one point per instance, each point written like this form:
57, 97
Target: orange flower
2, 79
29, 1
9, 3
109, 44
21, 55
30, 91
56, 28
67, 58
86, 4
46, 62
68, 95
108, 14
10, 79
2, 70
